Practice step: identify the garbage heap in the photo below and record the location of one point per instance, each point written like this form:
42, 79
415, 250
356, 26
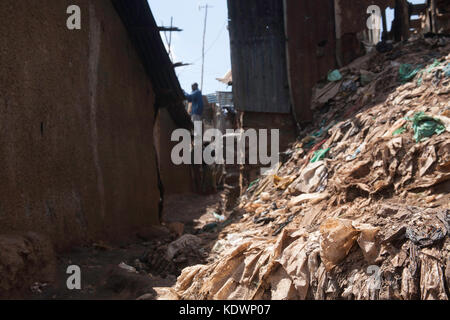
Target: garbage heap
359, 209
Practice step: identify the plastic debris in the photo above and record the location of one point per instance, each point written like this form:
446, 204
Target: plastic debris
425, 126
436, 232
324, 94
219, 217
447, 70
319, 155
186, 242
366, 77
407, 72
127, 268
378, 205
356, 153
349, 86
313, 178
399, 131
383, 47
334, 76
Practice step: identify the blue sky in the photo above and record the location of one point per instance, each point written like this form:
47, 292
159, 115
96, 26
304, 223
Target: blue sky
390, 12
187, 45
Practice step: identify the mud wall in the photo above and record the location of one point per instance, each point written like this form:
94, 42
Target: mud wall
76, 125
176, 179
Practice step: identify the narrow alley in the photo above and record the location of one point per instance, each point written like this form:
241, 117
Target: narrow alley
315, 166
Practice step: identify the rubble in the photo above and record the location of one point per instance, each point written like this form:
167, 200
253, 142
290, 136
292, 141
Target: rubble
27, 263
370, 218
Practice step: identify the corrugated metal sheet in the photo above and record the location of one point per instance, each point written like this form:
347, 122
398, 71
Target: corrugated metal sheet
258, 56
212, 98
311, 31
140, 23
311, 48
223, 99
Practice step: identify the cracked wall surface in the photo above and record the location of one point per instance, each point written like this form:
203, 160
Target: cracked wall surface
76, 125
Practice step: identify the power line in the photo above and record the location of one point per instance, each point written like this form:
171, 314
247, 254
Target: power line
213, 43
209, 48
220, 33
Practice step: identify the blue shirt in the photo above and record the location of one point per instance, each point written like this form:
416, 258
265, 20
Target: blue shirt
196, 98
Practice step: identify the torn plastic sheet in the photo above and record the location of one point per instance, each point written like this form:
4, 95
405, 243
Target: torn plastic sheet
425, 126
407, 72
320, 155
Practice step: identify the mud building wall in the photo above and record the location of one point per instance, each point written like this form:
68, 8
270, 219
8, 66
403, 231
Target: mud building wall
176, 179
76, 125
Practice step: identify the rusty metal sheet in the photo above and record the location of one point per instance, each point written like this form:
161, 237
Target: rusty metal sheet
351, 19
311, 49
351, 15
258, 56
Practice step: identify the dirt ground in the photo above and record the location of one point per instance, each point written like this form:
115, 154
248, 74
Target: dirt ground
101, 276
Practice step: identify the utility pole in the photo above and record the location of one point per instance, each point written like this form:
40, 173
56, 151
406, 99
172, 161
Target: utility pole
170, 30
204, 38
170, 38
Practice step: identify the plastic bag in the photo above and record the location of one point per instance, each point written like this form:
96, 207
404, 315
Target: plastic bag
319, 155
425, 126
334, 75
447, 70
407, 72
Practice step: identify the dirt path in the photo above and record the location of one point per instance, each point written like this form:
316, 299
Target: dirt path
133, 270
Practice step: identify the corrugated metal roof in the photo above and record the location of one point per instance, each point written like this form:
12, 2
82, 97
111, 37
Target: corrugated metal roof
212, 98
138, 19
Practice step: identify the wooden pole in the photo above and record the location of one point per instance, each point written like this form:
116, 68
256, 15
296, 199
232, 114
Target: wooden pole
401, 22
203, 46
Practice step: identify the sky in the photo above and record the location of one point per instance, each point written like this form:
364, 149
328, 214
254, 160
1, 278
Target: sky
390, 12
186, 46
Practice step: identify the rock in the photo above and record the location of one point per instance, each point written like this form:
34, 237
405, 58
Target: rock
127, 268
147, 296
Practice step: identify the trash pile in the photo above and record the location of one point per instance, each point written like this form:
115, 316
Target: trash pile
169, 258
360, 209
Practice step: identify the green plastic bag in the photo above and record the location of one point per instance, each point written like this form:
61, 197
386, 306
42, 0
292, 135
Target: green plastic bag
425, 126
334, 75
407, 72
435, 64
399, 131
447, 70
319, 155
